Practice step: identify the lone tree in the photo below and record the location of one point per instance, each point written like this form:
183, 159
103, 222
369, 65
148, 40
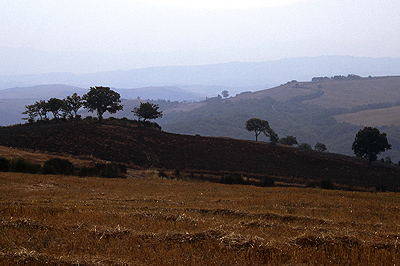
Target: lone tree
258, 126
101, 100
147, 111
370, 142
225, 93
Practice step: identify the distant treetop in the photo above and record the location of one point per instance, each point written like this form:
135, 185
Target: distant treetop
147, 111
337, 77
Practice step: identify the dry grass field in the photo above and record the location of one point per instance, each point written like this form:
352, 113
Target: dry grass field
374, 118
59, 220
337, 94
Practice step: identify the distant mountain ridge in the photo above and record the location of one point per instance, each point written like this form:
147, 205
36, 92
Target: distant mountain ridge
61, 91
246, 76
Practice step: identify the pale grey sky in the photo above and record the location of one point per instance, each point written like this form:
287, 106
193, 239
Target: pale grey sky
95, 35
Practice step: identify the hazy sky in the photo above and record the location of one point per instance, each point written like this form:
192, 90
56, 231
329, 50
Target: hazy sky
93, 35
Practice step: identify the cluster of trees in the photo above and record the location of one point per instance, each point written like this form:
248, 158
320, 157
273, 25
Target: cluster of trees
368, 143
259, 126
61, 109
337, 77
98, 99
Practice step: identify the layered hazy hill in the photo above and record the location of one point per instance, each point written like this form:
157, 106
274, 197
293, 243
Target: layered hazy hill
239, 76
376, 97
330, 111
327, 110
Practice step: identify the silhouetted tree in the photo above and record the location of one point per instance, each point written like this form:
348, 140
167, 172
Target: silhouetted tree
305, 146
55, 106
147, 111
273, 137
258, 126
101, 100
225, 94
72, 104
32, 111
370, 142
43, 108
320, 147
288, 140
38, 109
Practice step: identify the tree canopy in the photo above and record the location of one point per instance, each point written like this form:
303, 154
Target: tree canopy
369, 142
258, 126
288, 140
55, 106
320, 147
147, 111
101, 100
72, 104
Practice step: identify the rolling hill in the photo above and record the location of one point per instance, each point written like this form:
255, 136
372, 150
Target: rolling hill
330, 112
146, 147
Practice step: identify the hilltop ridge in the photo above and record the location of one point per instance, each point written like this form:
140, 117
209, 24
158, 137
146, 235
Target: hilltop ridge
145, 147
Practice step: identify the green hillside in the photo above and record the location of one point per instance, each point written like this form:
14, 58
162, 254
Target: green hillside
306, 110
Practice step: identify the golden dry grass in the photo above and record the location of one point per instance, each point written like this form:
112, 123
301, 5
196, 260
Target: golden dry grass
374, 118
57, 220
337, 94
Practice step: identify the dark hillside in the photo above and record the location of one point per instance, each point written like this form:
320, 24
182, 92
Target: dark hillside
146, 147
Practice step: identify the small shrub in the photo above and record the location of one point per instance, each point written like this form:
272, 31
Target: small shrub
5, 164
238, 179
49, 170
327, 184
305, 146
267, 182
227, 179
21, 165
381, 188
162, 174
58, 166
108, 170
177, 172
87, 171
311, 184
122, 168
232, 179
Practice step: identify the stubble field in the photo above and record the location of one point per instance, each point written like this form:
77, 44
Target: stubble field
57, 220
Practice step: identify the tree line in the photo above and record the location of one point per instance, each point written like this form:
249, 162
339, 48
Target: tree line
99, 99
259, 126
368, 143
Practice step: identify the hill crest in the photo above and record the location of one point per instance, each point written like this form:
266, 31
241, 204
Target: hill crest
144, 147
